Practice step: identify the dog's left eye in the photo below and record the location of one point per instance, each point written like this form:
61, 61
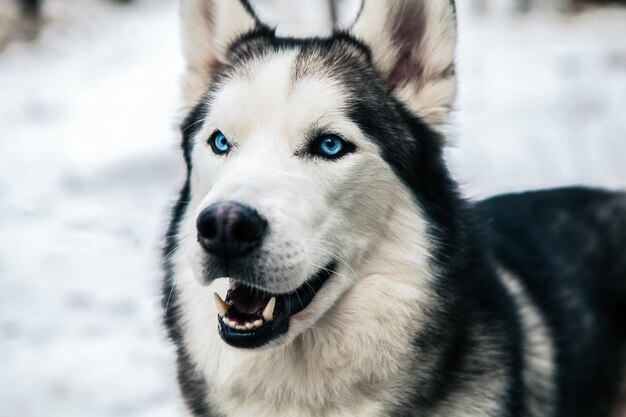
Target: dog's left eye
219, 143
331, 147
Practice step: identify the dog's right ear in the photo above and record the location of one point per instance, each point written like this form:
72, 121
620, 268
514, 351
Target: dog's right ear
208, 28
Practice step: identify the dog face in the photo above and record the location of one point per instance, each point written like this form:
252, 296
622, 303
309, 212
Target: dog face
301, 153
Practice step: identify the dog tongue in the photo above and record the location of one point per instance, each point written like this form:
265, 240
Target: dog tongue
245, 299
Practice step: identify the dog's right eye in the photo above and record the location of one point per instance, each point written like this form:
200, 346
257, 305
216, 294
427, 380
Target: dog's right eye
219, 143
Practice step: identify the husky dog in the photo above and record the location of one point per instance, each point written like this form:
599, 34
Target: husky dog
321, 262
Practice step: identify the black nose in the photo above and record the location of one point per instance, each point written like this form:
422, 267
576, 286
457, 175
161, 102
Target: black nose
229, 229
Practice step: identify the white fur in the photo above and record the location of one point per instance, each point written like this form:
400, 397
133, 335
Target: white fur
334, 357
334, 360
539, 351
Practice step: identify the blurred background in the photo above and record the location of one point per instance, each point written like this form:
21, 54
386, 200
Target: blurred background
89, 167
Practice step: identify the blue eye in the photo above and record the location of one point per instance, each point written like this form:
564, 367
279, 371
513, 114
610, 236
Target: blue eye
332, 147
219, 143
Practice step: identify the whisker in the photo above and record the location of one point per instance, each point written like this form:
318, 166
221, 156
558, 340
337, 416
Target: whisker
169, 255
299, 299
335, 272
169, 297
183, 202
170, 279
310, 286
191, 125
326, 242
337, 257
182, 237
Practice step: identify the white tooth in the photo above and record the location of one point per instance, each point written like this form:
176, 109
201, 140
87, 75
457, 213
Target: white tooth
268, 311
258, 323
249, 325
240, 327
229, 322
222, 307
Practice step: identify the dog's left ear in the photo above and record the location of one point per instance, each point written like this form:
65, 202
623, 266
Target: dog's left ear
413, 45
208, 28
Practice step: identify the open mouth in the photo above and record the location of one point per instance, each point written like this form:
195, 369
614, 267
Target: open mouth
250, 317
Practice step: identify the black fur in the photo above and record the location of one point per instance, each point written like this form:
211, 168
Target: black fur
193, 387
415, 152
567, 246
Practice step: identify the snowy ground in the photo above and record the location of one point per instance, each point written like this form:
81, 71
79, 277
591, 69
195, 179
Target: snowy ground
542, 101
88, 169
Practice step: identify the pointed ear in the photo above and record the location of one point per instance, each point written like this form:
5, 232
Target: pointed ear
208, 27
413, 45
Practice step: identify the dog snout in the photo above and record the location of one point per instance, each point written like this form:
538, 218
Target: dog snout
229, 229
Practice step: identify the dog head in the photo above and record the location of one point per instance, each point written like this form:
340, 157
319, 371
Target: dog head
309, 160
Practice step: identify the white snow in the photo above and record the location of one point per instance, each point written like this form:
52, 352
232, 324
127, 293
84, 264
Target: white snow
89, 167
542, 101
